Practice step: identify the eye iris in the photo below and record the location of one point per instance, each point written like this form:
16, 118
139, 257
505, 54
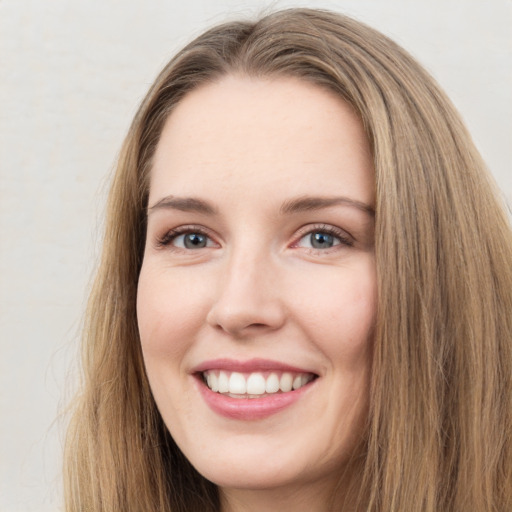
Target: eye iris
321, 240
194, 241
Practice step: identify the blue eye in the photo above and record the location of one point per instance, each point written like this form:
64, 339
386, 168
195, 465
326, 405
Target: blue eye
322, 239
186, 238
319, 240
192, 241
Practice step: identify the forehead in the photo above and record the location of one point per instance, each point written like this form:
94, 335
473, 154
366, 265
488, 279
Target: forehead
248, 134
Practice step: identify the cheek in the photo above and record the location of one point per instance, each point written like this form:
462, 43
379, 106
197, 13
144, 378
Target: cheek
341, 309
169, 309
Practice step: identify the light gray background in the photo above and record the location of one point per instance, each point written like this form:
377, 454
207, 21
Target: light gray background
71, 76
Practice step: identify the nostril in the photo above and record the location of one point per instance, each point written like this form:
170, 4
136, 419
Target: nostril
239, 315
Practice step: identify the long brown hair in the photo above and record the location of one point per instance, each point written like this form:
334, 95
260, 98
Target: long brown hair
439, 434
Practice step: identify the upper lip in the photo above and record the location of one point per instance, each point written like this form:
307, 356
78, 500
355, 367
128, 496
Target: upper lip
248, 366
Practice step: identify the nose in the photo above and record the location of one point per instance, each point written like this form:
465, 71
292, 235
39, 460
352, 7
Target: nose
248, 301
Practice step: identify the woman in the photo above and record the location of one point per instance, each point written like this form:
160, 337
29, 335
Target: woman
305, 291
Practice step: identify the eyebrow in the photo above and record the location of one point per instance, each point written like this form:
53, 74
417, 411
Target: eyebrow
300, 204
184, 204
308, 203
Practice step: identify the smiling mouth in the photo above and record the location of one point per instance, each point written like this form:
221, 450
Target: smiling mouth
254, 384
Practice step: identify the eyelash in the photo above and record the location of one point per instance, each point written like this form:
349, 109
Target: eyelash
172, 234
341, 235
344, 239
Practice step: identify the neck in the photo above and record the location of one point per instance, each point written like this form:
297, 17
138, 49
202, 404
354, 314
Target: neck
315, 497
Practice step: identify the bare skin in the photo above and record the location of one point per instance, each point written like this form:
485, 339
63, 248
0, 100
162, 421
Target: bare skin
260, 247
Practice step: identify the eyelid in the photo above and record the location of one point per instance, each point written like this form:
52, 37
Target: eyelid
345, 238
165, 240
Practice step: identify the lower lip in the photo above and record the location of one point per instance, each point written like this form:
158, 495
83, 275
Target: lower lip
250, 408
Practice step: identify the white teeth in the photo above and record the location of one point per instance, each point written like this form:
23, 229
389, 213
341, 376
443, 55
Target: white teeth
213, 382
272, 385
223, 382
237, 384
254, 384
286, 382
305, 379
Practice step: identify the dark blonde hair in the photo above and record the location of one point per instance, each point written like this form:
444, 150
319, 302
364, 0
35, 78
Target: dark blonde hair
439, 431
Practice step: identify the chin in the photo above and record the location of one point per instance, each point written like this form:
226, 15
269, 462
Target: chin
265, 465
243, 476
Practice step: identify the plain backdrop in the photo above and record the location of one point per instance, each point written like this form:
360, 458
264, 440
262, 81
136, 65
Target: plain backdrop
72, 74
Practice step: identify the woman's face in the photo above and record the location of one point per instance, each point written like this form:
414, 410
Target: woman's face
257, 293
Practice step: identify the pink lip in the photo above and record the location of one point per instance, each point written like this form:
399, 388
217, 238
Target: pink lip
248, 408
252, 365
